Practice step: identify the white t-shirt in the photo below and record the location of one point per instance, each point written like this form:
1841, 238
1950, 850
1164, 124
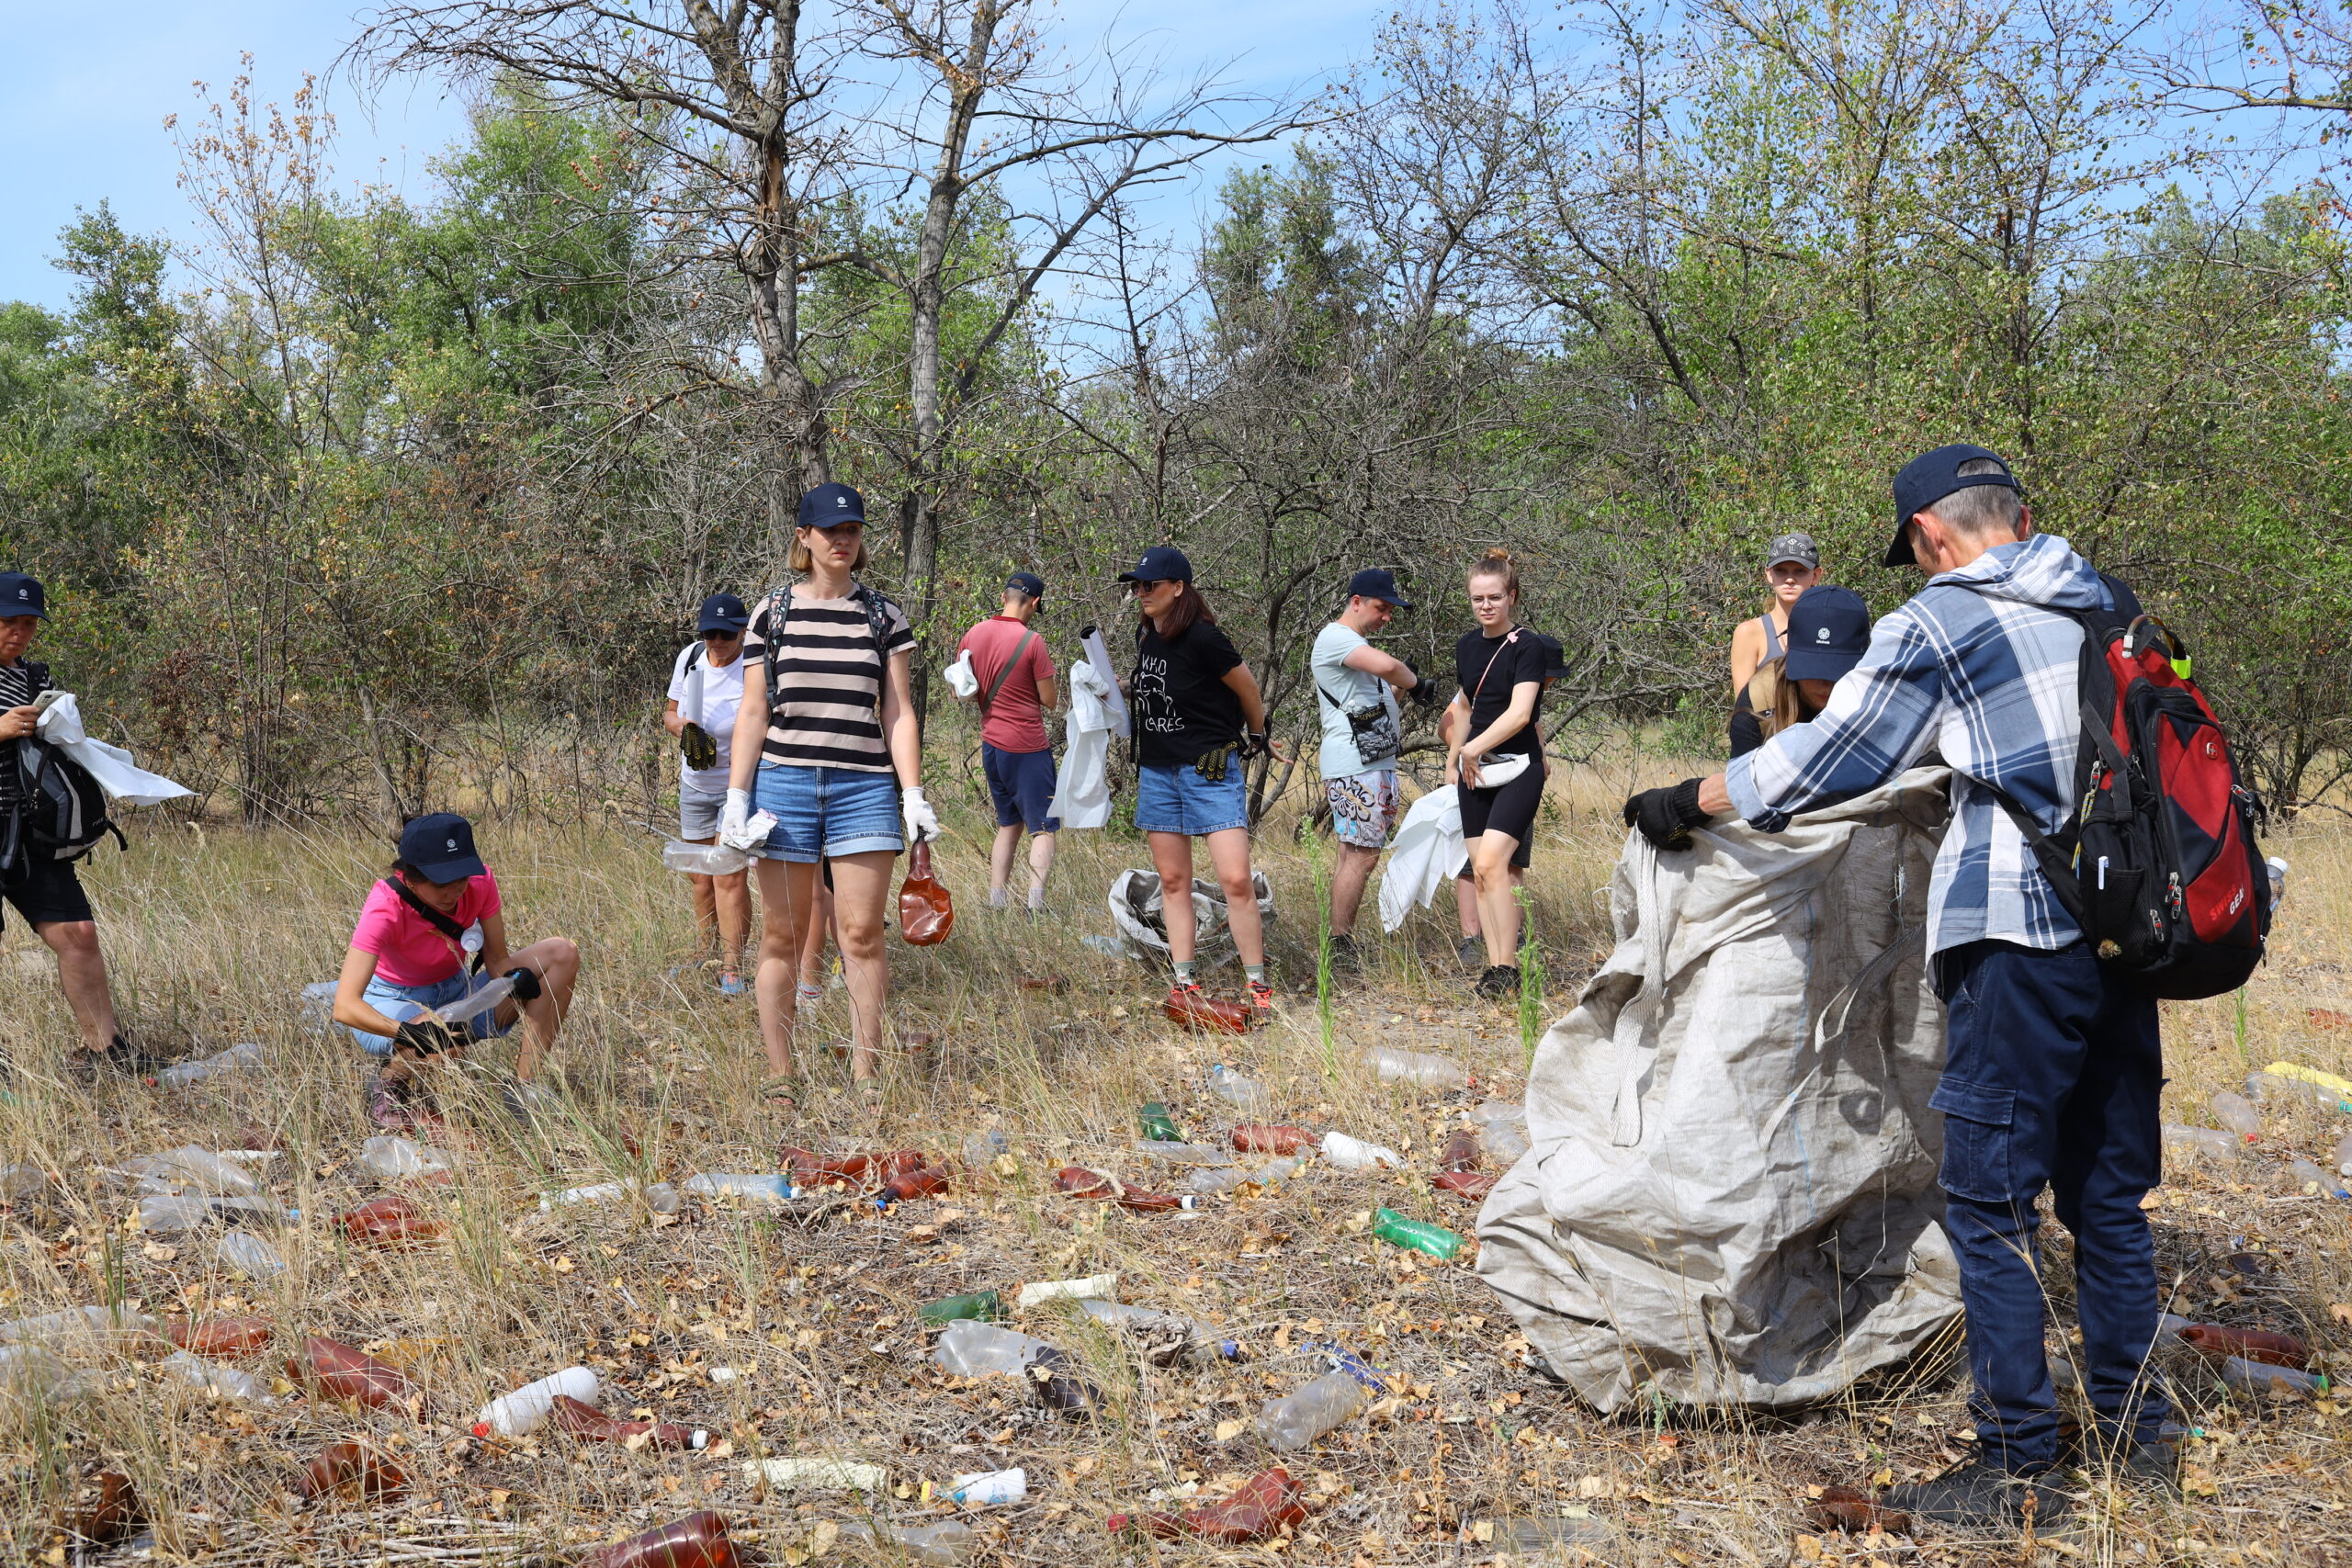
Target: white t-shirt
1338, 684
722, 693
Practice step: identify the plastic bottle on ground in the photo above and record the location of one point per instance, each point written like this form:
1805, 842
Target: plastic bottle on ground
246, 1254
1245, 1094
76, 1325
2201, 1143
2278, 869
339, 1465
1182, 1153
1108, 946
660, 1196
221, 1383
1266, 1173
980, 1306
2312, 1180
818, 1473
1345, 1153
1157, 1124
1200, 1346
2234, 1113
2261, 1380
1421, 1067
1093, 1287
2272, 1087
1257, 1138
245, 1053
584, 1421
340, 1371
745, 1185
940, 1545
2343, 1156
698, 1540
201, 1169
1291, 1422
986, 1488
970, 1349
525, 1411
982, 1149
389, 1157
928, 1182
1462, 1150
1413, 1235
220, 1336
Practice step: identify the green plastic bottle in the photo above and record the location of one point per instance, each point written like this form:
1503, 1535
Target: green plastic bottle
1397, 1231
1158, 1122
984, 1306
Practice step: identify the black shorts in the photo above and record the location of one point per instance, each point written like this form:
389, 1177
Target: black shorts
52, 892
1506, 808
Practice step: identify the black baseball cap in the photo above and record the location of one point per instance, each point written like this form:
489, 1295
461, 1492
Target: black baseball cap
1373, 582
1828, 629
1161, 563
21, 595
722, 612
440, 848
830, 505
1797, 547
1928, 479
1027, 582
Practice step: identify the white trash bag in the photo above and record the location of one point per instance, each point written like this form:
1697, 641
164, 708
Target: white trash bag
123, 780
1731, 1198
1135, 908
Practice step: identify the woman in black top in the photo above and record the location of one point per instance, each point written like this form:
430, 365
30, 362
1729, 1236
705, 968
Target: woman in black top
1501, 667
1198, 715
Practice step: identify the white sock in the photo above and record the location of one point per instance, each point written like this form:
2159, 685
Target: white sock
1037, 900
1000, 898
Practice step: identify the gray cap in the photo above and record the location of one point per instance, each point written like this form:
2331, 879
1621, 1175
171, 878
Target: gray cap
1798, 548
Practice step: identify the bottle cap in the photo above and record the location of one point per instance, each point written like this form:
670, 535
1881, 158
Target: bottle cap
701, 1439
481, 1429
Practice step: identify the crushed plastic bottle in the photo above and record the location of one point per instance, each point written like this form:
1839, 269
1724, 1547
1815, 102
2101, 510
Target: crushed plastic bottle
2271, 1087
220, 1336
2235, 1113
318, 1006
392, 1222
525, 1411
989, 1487
1158, 1122
980, 1306
1093, 1287
1191, 1343
660, 1196
353, 1467
1246, 1094
1418, 1068
2201, 1143
1461, 1152
1290, 1423
1254, 1138
115, 1514
817, 1472
220, 1382
1080, 1182
179, 1075
77, 1328
1503, 1124
811, 1169
1413, 1235
201, 1169
166, 1214
2343, 1156
388, 1157
698, 1540
247, 1256
1345, 1153
969, 1349
1265, 1505
340, 1371
577, 1419
1061, 1387
940, 1545
1232, 1179
751, 1188
2312, 1180
1182, 1153
704, 859
983, 1149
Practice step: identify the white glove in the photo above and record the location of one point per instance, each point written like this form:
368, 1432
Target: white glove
733, 817
923, 822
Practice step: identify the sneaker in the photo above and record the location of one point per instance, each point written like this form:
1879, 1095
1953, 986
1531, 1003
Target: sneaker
2145, 1462
1499, 983
1261, 999
1345, 958
391, 1104
1975, 1496
122, 1059
1472, 953
523, 1101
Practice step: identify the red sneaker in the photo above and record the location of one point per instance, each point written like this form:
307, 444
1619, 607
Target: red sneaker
1261, 999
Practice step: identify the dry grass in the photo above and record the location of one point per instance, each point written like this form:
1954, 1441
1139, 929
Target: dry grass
212, 932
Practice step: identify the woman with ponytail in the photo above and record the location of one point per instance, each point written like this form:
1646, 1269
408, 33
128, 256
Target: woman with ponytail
1496, 755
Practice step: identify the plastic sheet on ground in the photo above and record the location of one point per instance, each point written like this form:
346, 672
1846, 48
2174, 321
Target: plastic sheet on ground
1731, 1197
1136, 908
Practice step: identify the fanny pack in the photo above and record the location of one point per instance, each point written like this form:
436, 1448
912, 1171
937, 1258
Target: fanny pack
439, 921
1373, 729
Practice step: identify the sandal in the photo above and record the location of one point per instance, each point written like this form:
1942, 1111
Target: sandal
781, 1090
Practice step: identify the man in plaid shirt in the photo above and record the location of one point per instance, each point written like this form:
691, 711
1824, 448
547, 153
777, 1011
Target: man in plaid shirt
2052, 1066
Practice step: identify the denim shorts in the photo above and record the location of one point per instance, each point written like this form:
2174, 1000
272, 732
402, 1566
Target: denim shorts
1178, 800
401, 1003
824, 812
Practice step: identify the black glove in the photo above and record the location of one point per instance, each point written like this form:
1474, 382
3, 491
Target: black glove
697, 747
1253, 744
1666, 816
428, 1038
526, 984
1423, 691
1211, 766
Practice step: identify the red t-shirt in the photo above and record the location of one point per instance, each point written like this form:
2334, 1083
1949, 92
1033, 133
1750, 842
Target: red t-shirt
408, 951
1015, 721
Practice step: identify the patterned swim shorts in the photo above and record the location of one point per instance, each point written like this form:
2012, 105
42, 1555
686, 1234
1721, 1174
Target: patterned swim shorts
1364, 806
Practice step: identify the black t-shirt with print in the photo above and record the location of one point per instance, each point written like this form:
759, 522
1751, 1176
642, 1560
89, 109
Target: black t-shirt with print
1516, 656
1182, 706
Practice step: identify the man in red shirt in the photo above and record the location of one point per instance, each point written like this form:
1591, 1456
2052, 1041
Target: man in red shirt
1016, 677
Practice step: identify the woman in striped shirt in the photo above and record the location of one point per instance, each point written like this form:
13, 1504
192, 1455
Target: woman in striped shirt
826, 742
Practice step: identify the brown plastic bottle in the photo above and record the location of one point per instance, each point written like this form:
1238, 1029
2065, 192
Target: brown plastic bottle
1843, 1508
2216, 1343
923, 1183
589, 1425
1205, 1014
355, 1466
341, 1372
1256, 1138
1461, 1152
698, 1540
391, 1221
112, 1517
1258, 1508
1464, 1183
220, 1336
1081, 1182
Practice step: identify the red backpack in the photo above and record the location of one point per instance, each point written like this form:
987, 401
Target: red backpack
2159, 866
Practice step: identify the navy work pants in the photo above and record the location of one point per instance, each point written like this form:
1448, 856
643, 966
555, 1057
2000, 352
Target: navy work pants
2051, 1073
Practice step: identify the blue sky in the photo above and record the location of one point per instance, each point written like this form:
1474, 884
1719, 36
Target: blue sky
89, 122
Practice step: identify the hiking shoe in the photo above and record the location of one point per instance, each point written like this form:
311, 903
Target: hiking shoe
1975, 1496
121, 1059
2143, 1461
1499, 983
1345, 958
393, 1103
1472, 953
1261, 999
522, 1101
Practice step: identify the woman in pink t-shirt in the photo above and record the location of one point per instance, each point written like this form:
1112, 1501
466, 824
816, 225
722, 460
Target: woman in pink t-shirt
412, 955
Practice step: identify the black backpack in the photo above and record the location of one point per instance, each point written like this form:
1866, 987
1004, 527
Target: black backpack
59, 813
877, 626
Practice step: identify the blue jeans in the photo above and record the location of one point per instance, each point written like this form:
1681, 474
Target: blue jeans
2051, 1072
1178, 800
401, 1003
821, 813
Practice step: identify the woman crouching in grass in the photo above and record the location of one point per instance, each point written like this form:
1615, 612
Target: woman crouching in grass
415, 953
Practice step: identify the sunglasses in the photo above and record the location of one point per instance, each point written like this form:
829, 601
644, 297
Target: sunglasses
1139, 589
722, 637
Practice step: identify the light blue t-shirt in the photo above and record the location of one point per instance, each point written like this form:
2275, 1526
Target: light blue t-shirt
1339, 690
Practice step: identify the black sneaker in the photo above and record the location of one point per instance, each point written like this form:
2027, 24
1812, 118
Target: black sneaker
1471, 953
1975, 1496
1499, 983
1345, 959
2143, 1461
122, 1060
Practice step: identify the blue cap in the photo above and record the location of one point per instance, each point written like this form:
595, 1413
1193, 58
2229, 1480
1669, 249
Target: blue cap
1828, 629
440, 848
722, 612
830, 504
21, 595
1027, 582
1928, 479
1161, 563
1373, 582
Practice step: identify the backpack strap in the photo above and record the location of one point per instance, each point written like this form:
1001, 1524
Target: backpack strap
877, 627
1028, 635
436, 918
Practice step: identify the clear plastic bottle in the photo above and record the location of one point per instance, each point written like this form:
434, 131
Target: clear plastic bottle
1419, 1068
987, 1487
201, 1169
388, 1157
982, 1149
740, 1184
703, 860
1345, 1153
243, 1253
2308, 1179
1182, 1153
970, 1349
2201, 1143
1291, 1422
1232, 1177
2259, 1379
2232, 1112
245, 1053
660, 1196
2343, 1156
221, 1383
1201, 1347
1245, 1094
76, 1327
940, 1545
525, 1411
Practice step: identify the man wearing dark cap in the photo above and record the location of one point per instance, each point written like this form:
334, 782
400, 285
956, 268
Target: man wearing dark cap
1356, 687
46, 894
1016, 687
2053, 1064
706, 691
